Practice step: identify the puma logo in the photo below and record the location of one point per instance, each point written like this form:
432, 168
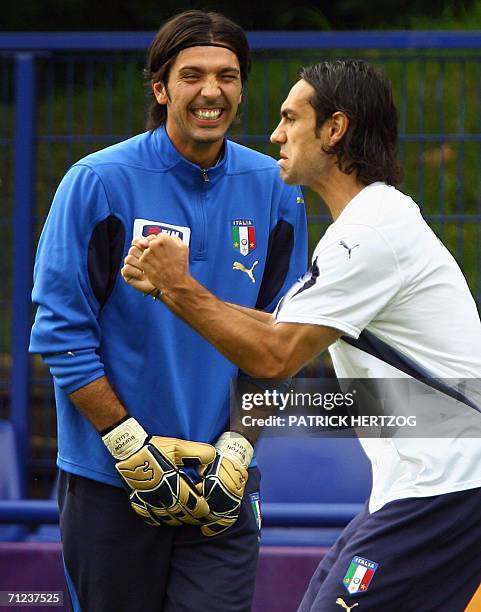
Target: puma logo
346, 246
342, 603
141, 473
249, 271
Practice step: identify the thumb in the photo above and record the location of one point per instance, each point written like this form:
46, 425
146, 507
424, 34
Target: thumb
204, 453
177, 450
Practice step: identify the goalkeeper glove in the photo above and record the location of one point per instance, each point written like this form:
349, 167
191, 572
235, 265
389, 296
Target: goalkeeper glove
224, 482
159, 492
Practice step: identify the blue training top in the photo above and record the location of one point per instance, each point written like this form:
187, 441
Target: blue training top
90, 323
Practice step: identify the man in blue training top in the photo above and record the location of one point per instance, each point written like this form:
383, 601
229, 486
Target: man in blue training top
141, 398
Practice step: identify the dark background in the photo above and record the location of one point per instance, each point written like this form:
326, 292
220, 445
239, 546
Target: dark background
251, 14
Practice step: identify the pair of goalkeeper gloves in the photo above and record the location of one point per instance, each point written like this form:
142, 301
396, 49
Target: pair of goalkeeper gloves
161, 492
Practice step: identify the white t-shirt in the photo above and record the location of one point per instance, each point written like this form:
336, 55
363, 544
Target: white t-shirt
380, 268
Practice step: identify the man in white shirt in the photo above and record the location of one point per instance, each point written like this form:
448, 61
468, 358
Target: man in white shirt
388, 300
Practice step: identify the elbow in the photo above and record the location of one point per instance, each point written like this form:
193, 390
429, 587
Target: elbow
271, 365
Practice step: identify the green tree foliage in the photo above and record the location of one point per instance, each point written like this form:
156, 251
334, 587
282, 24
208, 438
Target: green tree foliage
252, 15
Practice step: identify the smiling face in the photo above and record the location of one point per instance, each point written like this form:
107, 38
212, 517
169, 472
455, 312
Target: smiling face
302, 160
202, 96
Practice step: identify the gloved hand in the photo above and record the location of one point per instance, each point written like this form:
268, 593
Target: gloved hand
159, 492
224, 482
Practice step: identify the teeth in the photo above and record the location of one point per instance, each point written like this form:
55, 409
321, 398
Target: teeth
213, 113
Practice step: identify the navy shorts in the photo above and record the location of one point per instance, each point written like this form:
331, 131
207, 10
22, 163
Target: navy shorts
413, 555
115, 561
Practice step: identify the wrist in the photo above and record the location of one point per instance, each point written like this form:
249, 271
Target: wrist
125, 438
155, 294
236, 447
182, 291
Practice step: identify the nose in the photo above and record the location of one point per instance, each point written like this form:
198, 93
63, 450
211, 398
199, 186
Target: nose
278, 136
210, 88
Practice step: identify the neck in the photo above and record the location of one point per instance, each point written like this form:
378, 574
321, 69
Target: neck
205, 157
204, 154
337, 190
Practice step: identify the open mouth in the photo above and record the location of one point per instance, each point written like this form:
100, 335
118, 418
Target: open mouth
207, 114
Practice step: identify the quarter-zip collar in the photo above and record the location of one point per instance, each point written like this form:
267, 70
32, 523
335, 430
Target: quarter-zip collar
170, 158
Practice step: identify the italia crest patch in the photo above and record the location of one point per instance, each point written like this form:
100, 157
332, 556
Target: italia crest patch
359, 575
256, 508
243, 236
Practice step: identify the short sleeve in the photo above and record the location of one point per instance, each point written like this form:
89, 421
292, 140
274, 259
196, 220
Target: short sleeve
353, 277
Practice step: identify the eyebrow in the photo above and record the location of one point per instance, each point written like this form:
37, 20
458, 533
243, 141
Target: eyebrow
201, 69
287, 111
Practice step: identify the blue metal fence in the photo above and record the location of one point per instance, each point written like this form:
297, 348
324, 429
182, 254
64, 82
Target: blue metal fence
63, 95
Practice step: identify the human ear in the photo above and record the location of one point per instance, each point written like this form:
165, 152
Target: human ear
338, 127
160, 92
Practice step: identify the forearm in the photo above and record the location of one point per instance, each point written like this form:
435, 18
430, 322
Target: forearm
249, 428
234, 332
98, 402
259, 315
254, 342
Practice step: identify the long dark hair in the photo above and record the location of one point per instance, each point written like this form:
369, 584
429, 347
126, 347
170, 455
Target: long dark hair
364, 94
189, 29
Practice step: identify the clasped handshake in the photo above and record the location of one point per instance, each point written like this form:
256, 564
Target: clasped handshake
161, 492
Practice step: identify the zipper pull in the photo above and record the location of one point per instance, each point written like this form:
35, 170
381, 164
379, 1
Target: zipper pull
205, 176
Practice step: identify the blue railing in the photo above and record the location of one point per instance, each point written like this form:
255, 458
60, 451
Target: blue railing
65, 94
259, 41
31, 512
